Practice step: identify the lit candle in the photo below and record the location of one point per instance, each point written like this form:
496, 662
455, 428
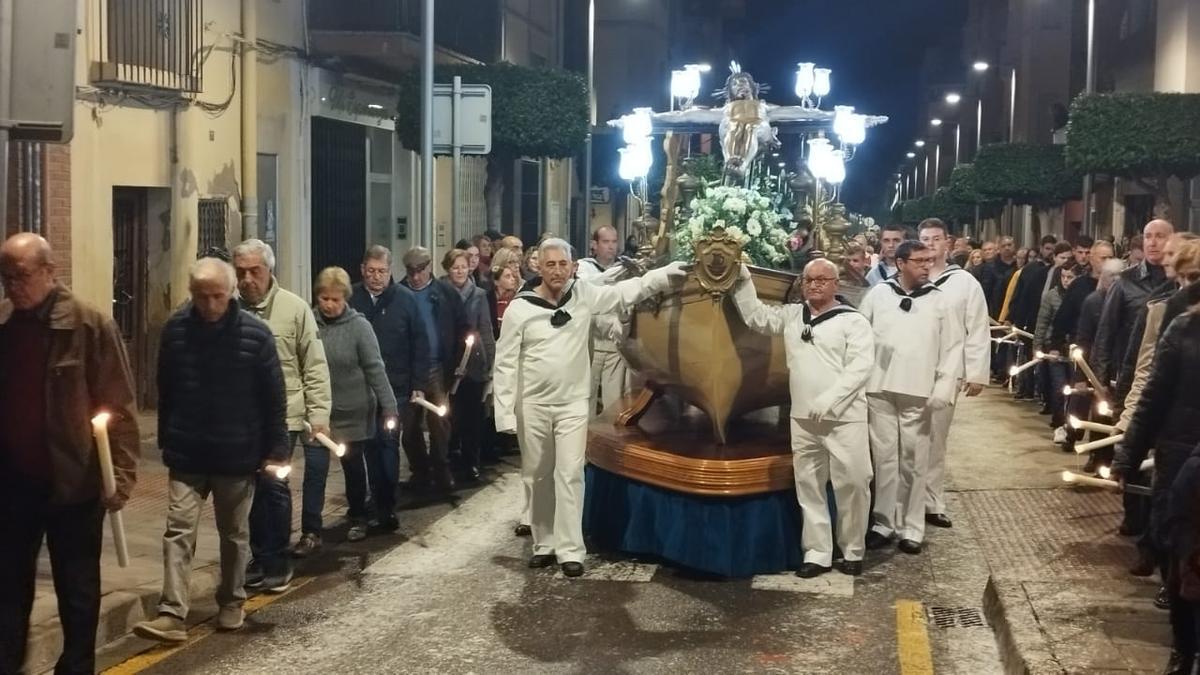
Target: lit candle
337, 449
462, 364
1082, 448
390, 425
109, 480
1103, 408
439, 410
1092, 481
1147, 465
1077, 357
1077, 423
1017, 370
280, 471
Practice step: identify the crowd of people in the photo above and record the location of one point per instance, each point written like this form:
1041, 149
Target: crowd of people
516, 349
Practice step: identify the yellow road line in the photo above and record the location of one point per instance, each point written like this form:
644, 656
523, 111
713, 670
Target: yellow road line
912, 639
155, 655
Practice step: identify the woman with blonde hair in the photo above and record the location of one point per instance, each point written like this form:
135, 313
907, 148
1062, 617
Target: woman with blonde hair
360, 387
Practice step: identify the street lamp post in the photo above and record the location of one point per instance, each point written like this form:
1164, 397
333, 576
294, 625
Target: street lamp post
586, 216
1089, 87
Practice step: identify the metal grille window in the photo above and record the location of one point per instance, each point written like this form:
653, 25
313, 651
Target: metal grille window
214, 223
149, 43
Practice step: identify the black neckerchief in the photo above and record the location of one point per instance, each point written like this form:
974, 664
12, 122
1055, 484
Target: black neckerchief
907, 301
810, 323
946, 274
882, 269
595, 263
560, 317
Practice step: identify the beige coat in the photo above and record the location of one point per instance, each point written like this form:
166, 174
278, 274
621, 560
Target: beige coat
1145, 361
301, 355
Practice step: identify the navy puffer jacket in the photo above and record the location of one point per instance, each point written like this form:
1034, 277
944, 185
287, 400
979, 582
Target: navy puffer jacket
222, 408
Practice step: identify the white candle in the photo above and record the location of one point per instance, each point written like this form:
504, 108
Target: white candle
280, 471
1147, 465
337, 449
1077, 357
1080, 479
439, 410
1077, 423
1082, 448
109, 480
1017, 370
462, 364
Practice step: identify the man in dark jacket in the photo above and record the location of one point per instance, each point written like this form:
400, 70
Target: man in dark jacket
1126, 298
444, 318
61, 362
994, 275
392, 311
222, 418
1033, 283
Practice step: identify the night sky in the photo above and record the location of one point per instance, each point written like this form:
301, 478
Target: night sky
876, 49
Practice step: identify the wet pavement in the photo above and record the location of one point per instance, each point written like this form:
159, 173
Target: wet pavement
456, 595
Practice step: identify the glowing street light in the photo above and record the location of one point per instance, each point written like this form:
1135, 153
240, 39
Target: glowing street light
910, 155
953, 98
937, 121
980, 66
919, 143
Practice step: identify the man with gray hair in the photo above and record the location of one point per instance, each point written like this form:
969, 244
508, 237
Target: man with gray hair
441, 312
306, 377
221, 420
541, 388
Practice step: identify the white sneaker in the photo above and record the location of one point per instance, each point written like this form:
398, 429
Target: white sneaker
231, 617
1060, 435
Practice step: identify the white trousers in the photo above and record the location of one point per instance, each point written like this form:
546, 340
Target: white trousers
935, 476
610, 379
899, 428
553, 442
838, 453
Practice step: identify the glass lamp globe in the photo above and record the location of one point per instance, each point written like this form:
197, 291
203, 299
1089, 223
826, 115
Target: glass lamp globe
804, 79
636, 126
821, 83
836, 167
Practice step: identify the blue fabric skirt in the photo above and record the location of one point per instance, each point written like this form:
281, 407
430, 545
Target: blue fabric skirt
726, 536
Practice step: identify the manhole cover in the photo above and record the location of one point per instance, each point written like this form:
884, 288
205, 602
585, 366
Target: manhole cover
956, 617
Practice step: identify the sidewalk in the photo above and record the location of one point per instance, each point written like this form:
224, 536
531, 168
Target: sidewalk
1059, 596
131, 594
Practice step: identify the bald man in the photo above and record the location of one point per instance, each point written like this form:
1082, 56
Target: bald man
1126, 298
61, 362
830, 353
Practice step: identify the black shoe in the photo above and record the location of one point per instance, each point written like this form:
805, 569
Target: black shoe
1092, 464
1045, 410
810, 570
1180, 663
909, 546
572, 569
1145, 565
1162, 600
388, 523
1128, 529
938, 520
254, 576
469, 476
851, 567
523, 530
876, 540
542, 560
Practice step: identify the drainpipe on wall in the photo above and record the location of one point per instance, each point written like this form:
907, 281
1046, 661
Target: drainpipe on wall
249, 120
6, 36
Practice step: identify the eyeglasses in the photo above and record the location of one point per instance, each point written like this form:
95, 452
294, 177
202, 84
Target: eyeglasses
816, 281
373, 272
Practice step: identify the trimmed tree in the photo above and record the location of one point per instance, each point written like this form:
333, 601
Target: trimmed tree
536, 112
964, 189
1032, 175
1148, 138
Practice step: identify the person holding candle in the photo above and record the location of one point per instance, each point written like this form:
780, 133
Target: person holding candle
830, 354
967, 309
542, 388
306, 376
474, 370
441, 314
222, 420
61, 363
360, 388
391, 310
918, 362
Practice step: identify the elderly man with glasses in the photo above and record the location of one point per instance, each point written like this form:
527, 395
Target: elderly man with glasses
830, 352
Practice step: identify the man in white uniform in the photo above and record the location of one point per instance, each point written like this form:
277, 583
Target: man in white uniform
967, 306
610, 375
830, 354
540, 387
918, 355
889, 240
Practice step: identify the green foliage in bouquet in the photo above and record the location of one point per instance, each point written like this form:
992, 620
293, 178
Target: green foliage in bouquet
747, 215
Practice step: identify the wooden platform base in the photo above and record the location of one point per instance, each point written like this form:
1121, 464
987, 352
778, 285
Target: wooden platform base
678, 452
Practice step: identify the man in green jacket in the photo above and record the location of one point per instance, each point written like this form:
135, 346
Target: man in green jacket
306, 378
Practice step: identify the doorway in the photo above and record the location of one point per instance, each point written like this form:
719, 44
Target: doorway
130, 254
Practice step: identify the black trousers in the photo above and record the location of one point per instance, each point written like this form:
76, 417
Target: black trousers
466, 406
73, 535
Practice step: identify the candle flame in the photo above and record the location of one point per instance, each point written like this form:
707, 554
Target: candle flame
1068, 477
280, 471
1105, 472
1075, 422
470, 340
341, 450
1068, 390
1012, 372
101, 419
391, 424
441, 411
1077, 354
1104, 408
1039, 354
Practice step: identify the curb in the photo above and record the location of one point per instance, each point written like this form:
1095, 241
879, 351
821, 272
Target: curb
119, 612
1023, 647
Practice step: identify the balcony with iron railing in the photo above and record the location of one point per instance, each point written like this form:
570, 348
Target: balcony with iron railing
156, 44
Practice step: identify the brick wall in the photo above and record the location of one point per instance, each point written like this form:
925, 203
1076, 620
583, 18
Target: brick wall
57, 184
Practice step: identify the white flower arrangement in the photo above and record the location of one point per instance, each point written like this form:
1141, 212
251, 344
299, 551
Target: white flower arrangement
745, 215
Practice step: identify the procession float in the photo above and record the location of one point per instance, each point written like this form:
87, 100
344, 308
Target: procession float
695, 468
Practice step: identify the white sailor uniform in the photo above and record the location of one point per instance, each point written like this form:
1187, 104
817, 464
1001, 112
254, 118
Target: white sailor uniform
880, 272
830, 357
917, 358
610, 374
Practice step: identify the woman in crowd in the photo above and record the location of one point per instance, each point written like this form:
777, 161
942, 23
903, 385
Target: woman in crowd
974, 259
482, 271
467, 401
1058, 372
507, 272
530, 265
360, 387
1022, 257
